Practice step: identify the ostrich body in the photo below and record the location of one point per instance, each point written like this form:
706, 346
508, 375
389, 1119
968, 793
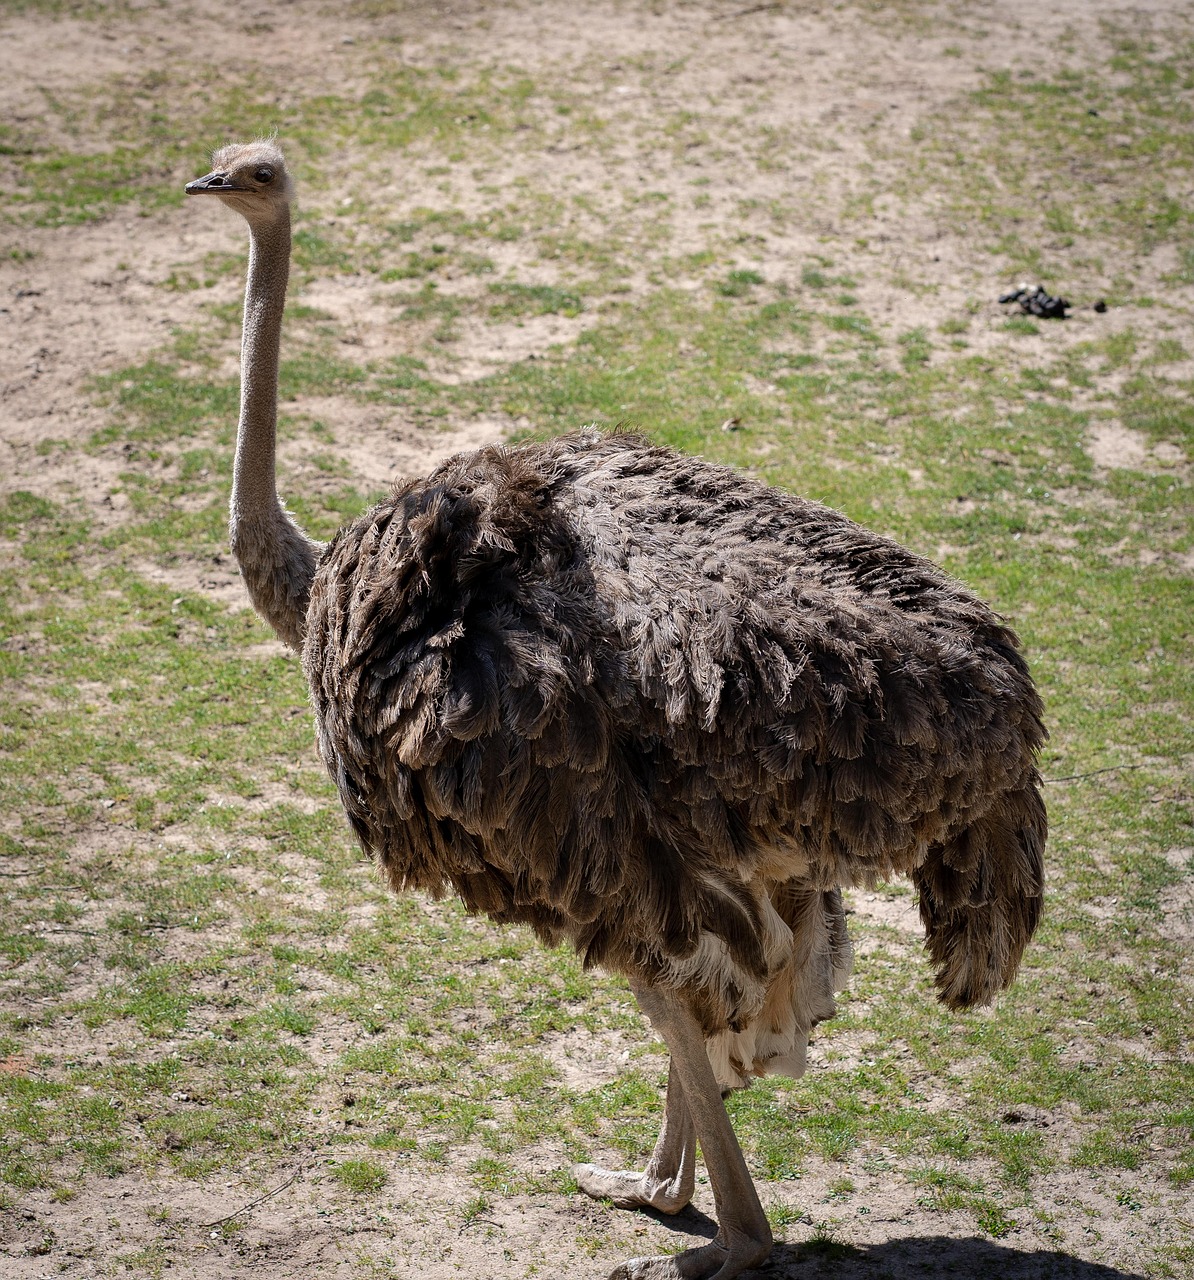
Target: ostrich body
655, 708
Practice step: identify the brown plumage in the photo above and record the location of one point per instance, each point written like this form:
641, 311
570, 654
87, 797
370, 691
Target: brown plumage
651, 706
647, 704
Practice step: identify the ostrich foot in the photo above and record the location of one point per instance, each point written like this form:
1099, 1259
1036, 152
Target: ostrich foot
709, 1262
668, 1180
630, 1190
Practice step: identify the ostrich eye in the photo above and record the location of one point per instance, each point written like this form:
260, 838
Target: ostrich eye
264, 175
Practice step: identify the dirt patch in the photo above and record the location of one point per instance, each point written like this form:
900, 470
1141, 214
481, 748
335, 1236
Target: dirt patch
896, 911
216, 577
433, 1226
585, 1059
379, 447
1177, 912
84, 303
1111, 445
312, 1226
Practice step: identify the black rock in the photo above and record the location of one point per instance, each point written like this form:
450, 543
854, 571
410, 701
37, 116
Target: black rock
1036, 302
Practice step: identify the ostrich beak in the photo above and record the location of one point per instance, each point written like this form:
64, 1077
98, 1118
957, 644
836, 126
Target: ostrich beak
216, 183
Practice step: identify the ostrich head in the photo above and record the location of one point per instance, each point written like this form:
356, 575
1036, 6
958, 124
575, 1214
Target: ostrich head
249, 177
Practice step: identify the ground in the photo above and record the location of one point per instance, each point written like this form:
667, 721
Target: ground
775, 234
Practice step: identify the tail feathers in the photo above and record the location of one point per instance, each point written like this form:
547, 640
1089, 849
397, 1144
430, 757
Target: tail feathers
980, 898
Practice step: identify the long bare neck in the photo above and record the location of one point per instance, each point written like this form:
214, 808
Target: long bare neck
277, 560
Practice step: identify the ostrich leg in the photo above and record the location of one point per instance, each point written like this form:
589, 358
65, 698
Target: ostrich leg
667, 1181
744, 1235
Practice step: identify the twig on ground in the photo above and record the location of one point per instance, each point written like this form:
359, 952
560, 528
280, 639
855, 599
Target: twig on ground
203, 1226
743, 13
1111, 768
472, 1222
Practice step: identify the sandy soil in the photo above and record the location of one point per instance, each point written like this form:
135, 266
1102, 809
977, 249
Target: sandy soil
301, 1232
89, 300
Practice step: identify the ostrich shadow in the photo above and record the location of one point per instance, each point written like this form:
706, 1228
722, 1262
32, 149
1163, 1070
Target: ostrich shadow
906, 1258
971, 1257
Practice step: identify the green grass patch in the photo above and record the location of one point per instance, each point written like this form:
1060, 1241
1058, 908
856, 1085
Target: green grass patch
362, 1177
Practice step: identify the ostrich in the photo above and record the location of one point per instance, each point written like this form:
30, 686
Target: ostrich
654, 708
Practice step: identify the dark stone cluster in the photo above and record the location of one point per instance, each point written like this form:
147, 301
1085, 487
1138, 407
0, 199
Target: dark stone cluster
1036, 302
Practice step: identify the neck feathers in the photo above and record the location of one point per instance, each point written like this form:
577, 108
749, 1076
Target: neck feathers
277, 560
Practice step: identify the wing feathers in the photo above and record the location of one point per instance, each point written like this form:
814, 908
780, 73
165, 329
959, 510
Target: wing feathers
598, 687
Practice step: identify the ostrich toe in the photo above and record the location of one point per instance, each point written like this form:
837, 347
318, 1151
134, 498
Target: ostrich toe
709, 1262
628, 1189
667, 1182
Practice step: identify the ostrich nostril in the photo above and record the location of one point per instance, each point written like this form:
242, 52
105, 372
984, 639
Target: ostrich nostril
211, 182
